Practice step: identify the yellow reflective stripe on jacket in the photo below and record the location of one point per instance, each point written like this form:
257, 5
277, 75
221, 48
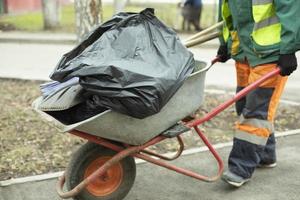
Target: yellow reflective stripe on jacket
267, 35
262, 9
226, 15
262, 12
235, 43
225, 10
225, 33
267, 28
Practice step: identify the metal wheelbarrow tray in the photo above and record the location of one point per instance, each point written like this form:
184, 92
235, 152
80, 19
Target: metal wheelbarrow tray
119, 127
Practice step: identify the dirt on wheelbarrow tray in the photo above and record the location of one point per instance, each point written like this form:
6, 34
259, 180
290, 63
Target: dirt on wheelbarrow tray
29, 146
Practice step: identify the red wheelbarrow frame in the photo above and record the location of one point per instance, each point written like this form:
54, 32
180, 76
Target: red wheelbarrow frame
125, 150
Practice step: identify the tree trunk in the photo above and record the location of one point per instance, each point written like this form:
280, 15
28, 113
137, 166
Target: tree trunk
51, 14
88, 15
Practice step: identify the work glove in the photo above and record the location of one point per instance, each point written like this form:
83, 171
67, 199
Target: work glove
287, 64
223, 54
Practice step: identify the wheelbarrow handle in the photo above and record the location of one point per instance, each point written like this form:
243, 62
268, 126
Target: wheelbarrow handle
215, 60
204, 35
212, 62
205, 31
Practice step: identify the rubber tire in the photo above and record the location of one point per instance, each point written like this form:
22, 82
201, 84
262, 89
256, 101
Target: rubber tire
83, 157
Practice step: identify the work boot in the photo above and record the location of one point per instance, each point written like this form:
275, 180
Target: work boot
266, 165
268, 154
233, 179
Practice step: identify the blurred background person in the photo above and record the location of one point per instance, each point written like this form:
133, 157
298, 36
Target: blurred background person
191, 13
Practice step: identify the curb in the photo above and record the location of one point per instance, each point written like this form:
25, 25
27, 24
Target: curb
26, 179
192, 151
38, 41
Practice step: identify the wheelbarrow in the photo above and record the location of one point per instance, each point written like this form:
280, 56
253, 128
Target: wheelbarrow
104, 168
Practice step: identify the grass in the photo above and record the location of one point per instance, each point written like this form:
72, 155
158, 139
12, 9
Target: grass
27, 145
30, 22
168, 13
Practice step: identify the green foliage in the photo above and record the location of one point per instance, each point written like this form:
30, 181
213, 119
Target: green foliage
29, 22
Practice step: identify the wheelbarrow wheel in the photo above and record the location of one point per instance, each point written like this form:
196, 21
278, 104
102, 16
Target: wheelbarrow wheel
113, 185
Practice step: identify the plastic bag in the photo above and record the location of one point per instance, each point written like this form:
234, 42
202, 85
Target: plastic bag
132, 64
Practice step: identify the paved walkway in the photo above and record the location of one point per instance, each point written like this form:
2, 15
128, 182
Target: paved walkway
38, 38
34, 56
35, 61
60, 38
153, 182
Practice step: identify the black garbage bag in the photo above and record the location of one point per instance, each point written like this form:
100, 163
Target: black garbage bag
132, 64
77, 113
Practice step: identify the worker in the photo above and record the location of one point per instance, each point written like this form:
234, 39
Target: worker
260, 35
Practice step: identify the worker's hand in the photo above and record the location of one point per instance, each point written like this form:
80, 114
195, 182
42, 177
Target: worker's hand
287, 64
223, 54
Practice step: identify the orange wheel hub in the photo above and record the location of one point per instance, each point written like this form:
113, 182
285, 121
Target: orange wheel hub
108, 182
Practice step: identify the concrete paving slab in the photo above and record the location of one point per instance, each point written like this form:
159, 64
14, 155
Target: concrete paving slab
30, 61
157, 183
39, 37
67, 38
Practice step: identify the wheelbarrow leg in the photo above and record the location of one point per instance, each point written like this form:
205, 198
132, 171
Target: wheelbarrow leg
179, 152
213, 151
188, 172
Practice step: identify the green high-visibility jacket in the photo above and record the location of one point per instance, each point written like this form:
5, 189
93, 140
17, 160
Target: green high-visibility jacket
260, 30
